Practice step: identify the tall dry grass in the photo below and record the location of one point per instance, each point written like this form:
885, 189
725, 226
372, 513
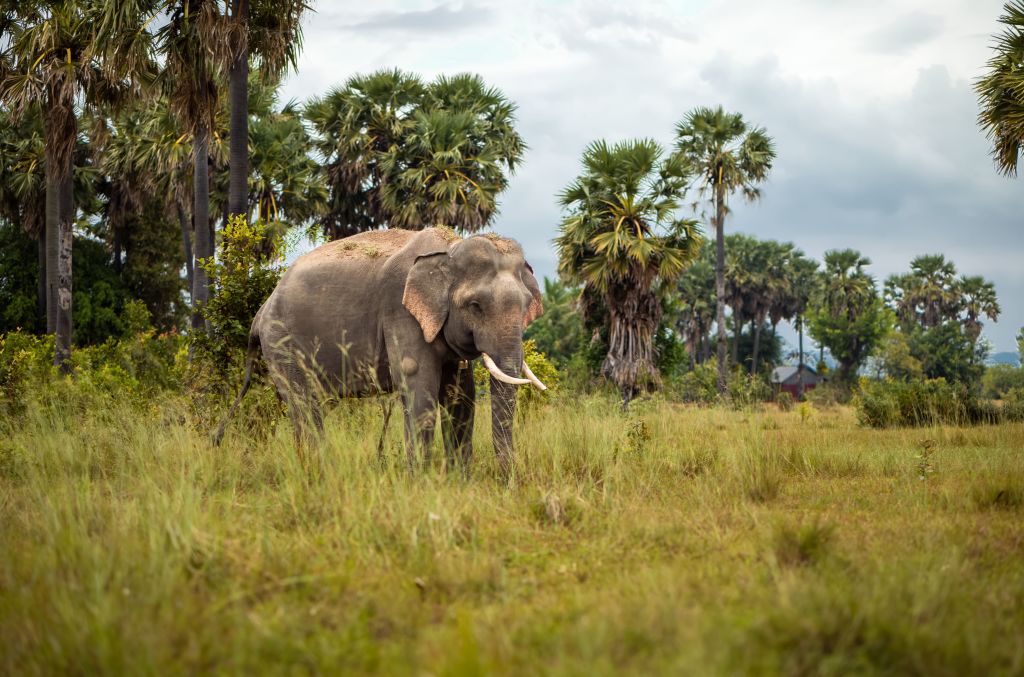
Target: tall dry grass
664, 539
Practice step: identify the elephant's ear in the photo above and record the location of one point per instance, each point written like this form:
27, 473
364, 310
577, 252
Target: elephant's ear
426, 292
536, 308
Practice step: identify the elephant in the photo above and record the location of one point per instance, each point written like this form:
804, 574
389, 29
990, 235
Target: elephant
407, 311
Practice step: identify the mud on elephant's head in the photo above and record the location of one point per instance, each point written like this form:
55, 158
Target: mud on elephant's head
478, 294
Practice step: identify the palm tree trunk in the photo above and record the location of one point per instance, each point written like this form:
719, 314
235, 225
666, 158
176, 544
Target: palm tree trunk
757, 346
201, 218
723, 367
41, 288
238, 92
186, 242
737, 323
50, 230
800, 365
63, 326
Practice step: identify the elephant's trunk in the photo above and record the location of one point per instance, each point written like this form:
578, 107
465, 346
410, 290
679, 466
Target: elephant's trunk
503, 410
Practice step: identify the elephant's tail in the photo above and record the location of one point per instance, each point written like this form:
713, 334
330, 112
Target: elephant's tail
250, 359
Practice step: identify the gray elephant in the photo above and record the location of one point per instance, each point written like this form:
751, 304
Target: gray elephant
401, 310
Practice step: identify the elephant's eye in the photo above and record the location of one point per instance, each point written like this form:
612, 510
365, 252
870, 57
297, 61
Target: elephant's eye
476, 307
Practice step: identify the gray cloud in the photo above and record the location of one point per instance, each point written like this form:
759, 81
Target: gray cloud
905, 33
444, 18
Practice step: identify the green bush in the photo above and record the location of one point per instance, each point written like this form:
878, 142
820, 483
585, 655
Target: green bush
999, 379
888, 403
699, 385
785, 400
25, 361
828, 394
746, 390
242, 277
527, 397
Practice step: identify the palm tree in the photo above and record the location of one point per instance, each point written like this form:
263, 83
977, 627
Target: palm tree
398, 152
286, 184
622, 239
194, 54
848, 316
977, 298
270, 31
695, 303
927, 296
1001, 91
58, 55
727, 156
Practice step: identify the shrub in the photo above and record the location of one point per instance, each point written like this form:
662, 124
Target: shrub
747, 390
699, 385
828, 394
887, 403
784, 399
24, 360
999, 379
241, 278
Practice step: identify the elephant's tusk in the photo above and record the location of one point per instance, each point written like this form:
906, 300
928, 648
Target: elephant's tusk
533, 379
499, 374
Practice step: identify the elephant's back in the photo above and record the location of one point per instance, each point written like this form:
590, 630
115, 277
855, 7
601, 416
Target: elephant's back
364, 248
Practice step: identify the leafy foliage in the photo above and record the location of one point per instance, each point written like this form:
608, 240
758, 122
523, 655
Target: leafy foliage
399, 152
888, 403
1001, 91
241, 280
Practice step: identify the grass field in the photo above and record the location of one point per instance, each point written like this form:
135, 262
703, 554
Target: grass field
665, 539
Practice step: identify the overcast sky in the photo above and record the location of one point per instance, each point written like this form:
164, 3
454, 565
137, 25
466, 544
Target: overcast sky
869, 102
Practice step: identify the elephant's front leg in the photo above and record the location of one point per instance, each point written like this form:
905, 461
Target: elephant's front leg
458, 403
420, 388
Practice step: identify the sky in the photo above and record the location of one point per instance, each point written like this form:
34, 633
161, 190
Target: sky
870, 104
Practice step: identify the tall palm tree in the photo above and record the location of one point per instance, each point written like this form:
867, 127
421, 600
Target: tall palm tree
622, 239
194, 55
727, 155
271, 32
1001, 91
59, 55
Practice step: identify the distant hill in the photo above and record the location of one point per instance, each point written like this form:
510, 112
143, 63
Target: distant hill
1004, 358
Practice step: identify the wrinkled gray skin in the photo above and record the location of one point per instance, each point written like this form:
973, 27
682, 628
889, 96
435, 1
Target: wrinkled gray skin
399, 310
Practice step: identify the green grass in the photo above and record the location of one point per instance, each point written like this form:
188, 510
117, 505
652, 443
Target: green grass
667, 539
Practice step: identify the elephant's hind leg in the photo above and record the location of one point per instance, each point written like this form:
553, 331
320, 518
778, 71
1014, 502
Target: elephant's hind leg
458, 402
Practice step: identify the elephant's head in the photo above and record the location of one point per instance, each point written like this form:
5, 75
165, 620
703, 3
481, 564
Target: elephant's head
478, 295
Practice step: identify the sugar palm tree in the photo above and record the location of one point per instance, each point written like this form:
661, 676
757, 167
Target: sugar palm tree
58, 56
401, 152
977, 298
927, 296
1001, 91
194, 54
695, 305
727, 155
621, 239
269, 31
848, 316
